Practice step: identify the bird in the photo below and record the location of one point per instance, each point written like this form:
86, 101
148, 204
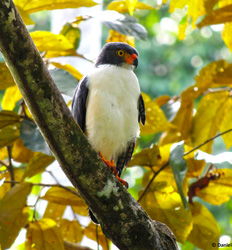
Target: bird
108, 105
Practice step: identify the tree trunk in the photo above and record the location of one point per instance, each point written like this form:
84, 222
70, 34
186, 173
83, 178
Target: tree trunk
122, 219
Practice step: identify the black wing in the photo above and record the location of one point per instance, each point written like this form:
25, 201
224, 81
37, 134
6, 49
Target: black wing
141, 108
125, 157
79, 103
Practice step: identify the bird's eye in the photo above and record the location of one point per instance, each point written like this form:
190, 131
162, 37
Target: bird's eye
121, 53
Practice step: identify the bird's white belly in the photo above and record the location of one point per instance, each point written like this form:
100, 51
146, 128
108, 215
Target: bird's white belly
112, 111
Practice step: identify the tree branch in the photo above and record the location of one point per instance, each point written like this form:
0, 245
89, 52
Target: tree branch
122, 219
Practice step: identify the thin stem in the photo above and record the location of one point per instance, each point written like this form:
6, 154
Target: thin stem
10, 167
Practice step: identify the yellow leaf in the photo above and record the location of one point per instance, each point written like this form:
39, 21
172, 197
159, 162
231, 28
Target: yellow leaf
90, 232
210, 112
8, 118
11, 96
218, 191
222, 15
64, 197
37, 164
164, 204
227, 124
155, 118
162, 100
71, 231
182, 28
70, 69
9, 134
147, 157
13, 213
54, 211
55, 44
20, 153
226, 35
114, 36
121, 6
177, 4
6, 78
81, 210
18, 173
44, 234
131, 5
31, 6
205, 229
25, 16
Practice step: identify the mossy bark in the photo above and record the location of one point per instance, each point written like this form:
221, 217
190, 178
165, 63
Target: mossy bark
122, 219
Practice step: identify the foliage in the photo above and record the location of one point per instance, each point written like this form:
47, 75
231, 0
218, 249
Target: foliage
181, 154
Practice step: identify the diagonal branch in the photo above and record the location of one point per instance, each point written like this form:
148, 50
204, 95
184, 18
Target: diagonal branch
122, 219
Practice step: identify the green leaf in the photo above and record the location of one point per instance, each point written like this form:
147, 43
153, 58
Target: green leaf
147, 157
8, 118
9, 134
13, 213
179, 168
126, 25
37, 165
31, 6
72, 33
32, 137
44, 234
6, 78
65, 82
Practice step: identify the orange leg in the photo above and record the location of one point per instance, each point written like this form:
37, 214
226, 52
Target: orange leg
111, 166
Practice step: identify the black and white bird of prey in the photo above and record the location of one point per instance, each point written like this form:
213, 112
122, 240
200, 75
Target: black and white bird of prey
108, 105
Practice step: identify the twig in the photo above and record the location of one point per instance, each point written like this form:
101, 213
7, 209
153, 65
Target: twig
186, 153
10, 166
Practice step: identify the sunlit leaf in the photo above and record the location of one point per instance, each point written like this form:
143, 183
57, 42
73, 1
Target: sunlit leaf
226, 124
62, 196
6, 78
56, 45
208, 118
162, 100
54, 211
155, 118
13, 213
226, 35
164, 204
8, 118
122, 7
72, 33
32, 137
179, 168
37, 164
205, 229
31, 6
20, 153
65, 82
70, 69
44, 234
218, 191
9, 134
25, 16
18, 173
147, 157
90, 232
222, 15
114, 36
71, 230
11, 96
126, 25
131, 5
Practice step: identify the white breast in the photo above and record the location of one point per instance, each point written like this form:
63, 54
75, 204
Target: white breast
112, 110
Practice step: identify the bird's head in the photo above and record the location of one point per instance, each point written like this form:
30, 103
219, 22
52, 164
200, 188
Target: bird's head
117, 54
